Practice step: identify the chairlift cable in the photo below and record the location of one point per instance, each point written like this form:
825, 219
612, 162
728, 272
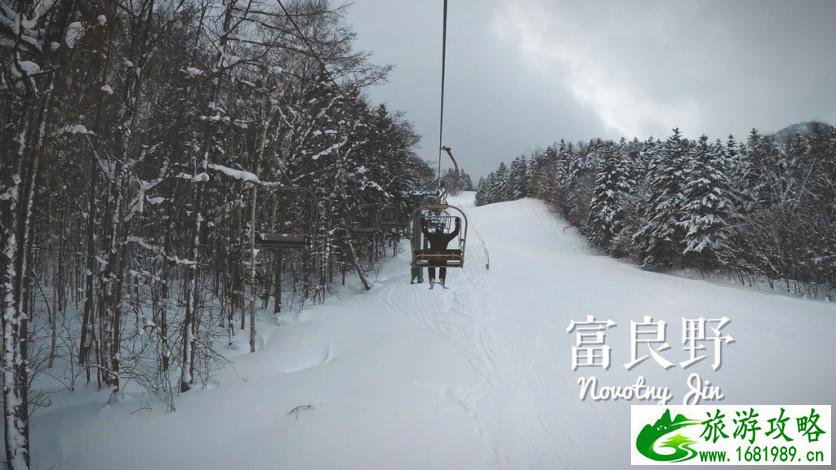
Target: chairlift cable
443, 70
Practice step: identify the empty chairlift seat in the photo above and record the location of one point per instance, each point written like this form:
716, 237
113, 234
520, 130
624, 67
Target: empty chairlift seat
278, 241
357, 230
366, 220
393, 225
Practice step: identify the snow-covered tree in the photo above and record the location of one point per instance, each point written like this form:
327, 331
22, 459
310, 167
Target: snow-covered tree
147, 140
518, 179
460, 182
499, 186
480, 192
658, 243
612, 183
465, 182
756, 210
708, 207
543, 172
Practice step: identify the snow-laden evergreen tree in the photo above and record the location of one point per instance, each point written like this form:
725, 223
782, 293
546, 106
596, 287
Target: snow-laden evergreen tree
582, 166
606, 215
543, 168
486, 194
465, 182
480, 192
499, 186
561, 193
708, 208
658, 243
460, 182
734, 168
634, 156
753, 172
517, 179
819, 164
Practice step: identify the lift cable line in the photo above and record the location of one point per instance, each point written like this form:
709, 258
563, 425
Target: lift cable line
443, 70
435, 220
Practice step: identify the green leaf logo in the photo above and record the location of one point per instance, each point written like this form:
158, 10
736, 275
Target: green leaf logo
681, 445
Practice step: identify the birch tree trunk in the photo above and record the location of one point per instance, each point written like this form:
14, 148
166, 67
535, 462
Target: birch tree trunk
14, 420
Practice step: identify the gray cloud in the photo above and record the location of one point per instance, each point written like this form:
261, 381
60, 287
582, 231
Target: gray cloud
522, 74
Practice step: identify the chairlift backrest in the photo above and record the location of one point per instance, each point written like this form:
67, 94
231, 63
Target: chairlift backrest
281, 240
369, 224
288, 241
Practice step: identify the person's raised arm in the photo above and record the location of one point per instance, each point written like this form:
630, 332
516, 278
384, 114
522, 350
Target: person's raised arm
458, 227
450, 236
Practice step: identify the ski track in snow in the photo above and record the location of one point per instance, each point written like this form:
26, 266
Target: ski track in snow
462, 316
455, 323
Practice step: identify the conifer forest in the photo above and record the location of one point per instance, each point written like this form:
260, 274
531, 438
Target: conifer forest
761, 209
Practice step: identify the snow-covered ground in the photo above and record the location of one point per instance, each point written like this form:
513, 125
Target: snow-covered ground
474, 376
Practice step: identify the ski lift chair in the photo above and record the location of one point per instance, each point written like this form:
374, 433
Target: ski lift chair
370, 226
281, 241
440, 217
289, 241
393, 222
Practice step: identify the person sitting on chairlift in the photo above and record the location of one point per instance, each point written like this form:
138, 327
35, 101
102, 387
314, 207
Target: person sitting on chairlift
438, 243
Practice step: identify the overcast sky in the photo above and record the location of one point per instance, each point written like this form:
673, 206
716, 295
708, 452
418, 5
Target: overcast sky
524, 73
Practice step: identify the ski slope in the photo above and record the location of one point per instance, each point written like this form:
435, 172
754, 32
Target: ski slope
474, 376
